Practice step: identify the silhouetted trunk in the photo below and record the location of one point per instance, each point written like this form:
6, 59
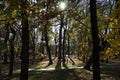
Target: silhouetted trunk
88, 63
47, 45
11, 52
33, 51
33, 46
60, 39
68, 52
11, 58
95, 39
56, 47
46, 35
64, 39
89, 58
42, 43
25, 42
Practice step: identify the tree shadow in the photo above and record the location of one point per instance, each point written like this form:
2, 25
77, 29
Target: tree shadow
48, 65
54, 58
111, 69
65, 66
75, 75
73, 63
58, 65
65, 74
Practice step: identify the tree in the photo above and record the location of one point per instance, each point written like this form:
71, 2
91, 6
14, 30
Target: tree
32, 42
47, 44
64, 43
60, 39
95, 40
25, 41
12, 52
46, 35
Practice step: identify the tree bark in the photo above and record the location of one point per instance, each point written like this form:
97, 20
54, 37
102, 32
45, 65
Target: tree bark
88, 63
46, 35
42, 43
25, 42
95, 39
64, 39
11, 58
47, 45
60, 38
33, 46
68, 52
56, 51
11, 52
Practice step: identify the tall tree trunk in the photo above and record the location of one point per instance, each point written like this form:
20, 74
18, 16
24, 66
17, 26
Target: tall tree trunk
89, 60
56, 48
25, 42
95, 39
47, 45
11, 52
33, 46
88, 63
33, 51
64, 39
42, 43
11, 58
60, 39
68, 52
46, 35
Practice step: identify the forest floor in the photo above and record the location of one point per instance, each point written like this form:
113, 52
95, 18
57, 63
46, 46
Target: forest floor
72, 70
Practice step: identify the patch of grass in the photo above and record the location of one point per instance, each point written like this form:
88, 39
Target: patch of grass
68, 63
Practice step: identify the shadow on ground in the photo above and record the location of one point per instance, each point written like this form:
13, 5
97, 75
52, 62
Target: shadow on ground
111, 70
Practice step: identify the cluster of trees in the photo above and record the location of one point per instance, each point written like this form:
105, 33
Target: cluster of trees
29, 28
